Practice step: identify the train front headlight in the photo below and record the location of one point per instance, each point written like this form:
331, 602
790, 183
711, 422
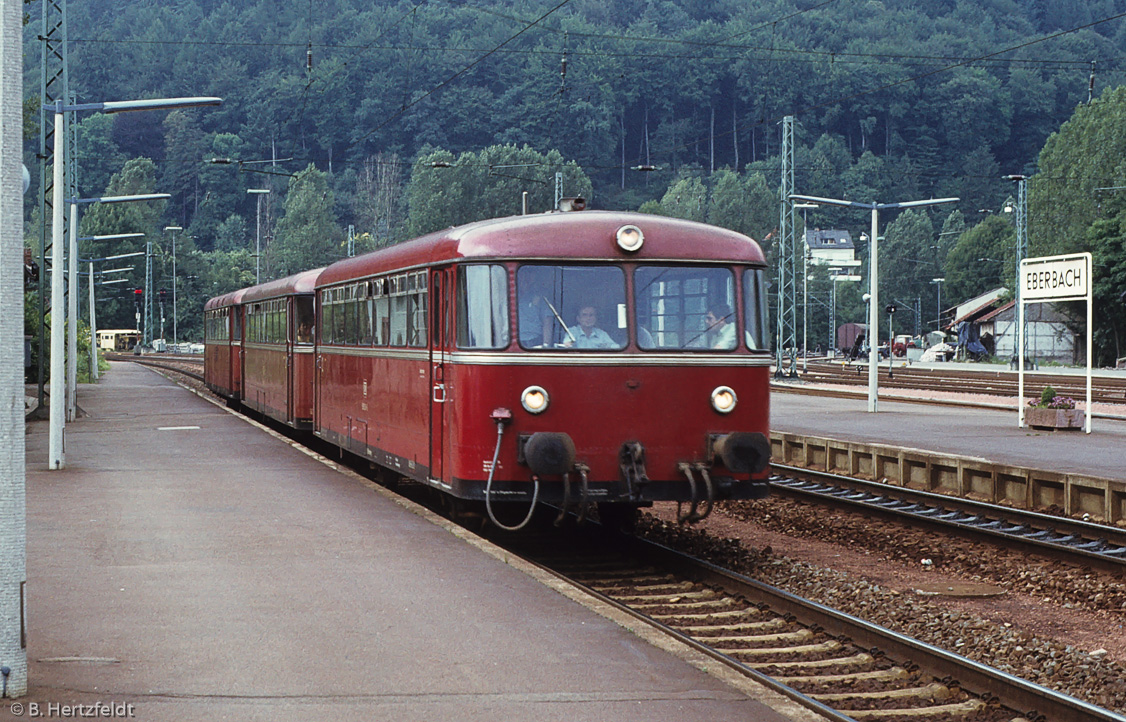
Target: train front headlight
724, 399
534, 399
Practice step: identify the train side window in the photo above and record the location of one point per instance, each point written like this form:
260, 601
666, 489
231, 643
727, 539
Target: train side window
339, 322
482, 307
303, 310
755, 311
399, 313
418, 318
326, 318
381, 320
363, 315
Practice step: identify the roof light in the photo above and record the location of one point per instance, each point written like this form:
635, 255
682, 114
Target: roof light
630, 238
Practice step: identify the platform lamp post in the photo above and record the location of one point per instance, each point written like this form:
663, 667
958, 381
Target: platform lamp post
175, 334
873, 278
805, 282
93, 317
56, 458
938, 311
72, 300
260, 192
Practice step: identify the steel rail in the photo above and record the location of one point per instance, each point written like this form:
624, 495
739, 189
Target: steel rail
1084, 542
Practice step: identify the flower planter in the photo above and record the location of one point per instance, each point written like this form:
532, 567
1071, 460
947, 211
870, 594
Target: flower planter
1052, 419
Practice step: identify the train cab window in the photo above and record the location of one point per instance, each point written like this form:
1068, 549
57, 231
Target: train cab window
685, 308
571, 307
754, 297
482, 307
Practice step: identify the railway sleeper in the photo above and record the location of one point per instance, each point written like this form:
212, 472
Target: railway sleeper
942, 711
662, 588
706, 629
827, 647
643, 598
892, 673
934, 690
628, 581
717, 604
707, 616
800, 635
860, 659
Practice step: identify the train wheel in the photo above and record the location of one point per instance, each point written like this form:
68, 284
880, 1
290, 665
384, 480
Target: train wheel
618, 517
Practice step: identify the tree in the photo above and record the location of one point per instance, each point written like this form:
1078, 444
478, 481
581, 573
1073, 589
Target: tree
981, 260
308, 235
908, 260
687, 198
445, 192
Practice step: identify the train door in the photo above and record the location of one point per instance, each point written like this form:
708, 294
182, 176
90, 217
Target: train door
441, 289
290, 359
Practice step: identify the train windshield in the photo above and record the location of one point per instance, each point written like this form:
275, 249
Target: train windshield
571, 307
681, 307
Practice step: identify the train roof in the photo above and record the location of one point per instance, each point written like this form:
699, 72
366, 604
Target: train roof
233, 298
575, 235
304, 282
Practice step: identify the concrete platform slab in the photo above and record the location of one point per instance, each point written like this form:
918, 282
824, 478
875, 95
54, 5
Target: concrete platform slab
983, 433
191, 565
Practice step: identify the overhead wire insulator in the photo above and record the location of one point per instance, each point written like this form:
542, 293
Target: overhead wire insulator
563, 66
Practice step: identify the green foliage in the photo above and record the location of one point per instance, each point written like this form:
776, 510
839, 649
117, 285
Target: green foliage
446, 191
994, 239
308, 235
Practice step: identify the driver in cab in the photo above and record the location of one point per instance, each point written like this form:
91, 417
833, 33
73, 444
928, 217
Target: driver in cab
586, 333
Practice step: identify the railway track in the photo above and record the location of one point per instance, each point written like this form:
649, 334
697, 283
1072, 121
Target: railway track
191, 366
835, 664
1001, 383
1074, 541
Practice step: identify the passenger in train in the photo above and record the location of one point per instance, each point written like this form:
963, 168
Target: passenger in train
536, 317
720, 329
586, 333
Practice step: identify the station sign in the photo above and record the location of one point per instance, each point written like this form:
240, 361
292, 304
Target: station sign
1055, 277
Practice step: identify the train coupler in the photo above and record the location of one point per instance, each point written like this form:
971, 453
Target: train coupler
631, 460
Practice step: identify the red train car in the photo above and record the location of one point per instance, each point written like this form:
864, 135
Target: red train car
222, 344
277, 367
574, 358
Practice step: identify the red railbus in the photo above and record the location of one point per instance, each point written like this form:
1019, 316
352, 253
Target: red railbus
222, 344
277, 363
575, 358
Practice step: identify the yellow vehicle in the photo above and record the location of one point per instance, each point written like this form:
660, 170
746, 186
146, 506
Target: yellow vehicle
118, 339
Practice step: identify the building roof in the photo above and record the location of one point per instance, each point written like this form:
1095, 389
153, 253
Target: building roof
974, 307
818, 240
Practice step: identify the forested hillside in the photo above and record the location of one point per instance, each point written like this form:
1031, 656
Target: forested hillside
894, 100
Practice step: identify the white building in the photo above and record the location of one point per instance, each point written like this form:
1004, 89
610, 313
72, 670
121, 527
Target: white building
830, 248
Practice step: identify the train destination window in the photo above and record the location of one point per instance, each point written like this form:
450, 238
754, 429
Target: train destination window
482, 307
681, 307
571, 307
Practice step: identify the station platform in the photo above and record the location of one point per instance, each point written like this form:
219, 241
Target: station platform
964, 430
196, 566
